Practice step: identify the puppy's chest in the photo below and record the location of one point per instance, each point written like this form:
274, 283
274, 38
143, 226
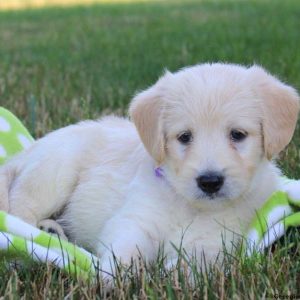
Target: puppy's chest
200, 229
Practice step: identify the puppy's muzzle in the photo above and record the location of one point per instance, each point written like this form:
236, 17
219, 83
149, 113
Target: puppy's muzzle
210, 182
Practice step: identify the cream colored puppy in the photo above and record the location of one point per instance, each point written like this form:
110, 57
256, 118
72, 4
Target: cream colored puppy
196, 161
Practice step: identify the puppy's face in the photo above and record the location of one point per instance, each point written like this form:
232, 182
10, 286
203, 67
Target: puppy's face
213, 137
211, 126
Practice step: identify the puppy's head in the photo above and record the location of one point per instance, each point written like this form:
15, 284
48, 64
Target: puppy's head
211, 126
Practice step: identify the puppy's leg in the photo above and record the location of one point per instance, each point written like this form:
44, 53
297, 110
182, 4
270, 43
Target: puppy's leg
5, 180
125, 241
43, 178
38, 191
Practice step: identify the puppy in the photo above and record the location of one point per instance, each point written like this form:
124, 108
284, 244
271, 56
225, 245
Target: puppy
191, 169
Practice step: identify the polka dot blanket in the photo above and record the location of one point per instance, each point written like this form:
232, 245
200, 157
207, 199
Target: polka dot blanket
14, 137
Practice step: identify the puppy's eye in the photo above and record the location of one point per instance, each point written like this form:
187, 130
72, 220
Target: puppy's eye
238, 135
185, 137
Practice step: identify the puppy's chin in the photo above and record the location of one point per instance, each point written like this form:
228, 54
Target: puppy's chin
214, 201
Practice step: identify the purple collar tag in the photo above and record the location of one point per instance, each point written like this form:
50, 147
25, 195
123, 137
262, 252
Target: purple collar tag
159, 172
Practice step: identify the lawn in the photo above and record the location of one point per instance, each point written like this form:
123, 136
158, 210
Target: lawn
61, 65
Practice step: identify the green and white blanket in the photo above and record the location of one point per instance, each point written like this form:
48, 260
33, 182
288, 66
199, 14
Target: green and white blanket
279, 213
19, 239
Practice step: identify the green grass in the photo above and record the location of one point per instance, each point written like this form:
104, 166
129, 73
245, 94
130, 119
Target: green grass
59, 66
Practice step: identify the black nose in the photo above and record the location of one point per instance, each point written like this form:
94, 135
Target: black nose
210, 183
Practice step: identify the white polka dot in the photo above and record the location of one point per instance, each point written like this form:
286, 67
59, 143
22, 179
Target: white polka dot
25, 141
4, 125
2, 152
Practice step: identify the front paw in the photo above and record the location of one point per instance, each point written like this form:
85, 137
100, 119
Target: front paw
118, 271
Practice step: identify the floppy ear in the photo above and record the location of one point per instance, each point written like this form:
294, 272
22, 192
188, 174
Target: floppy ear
280, 106
146, 111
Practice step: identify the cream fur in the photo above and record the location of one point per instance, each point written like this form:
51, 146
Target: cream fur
101, 176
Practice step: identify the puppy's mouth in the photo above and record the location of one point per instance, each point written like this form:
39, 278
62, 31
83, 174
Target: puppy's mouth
218, 196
